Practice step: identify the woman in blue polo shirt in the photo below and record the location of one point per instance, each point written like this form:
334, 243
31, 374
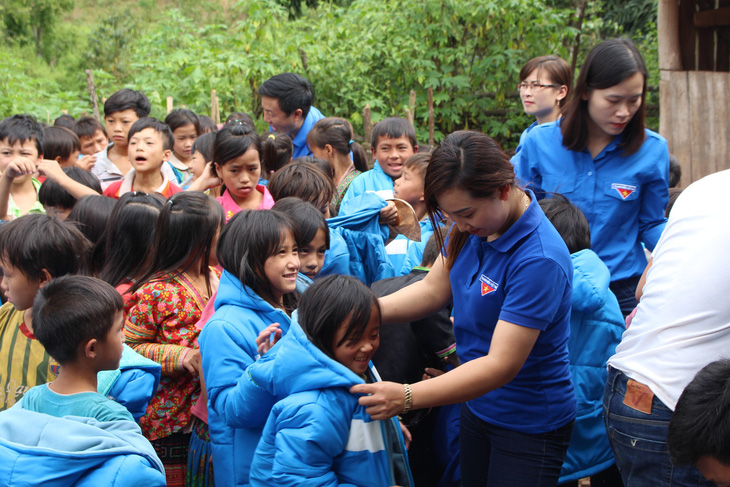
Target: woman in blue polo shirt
602, 158
509, 275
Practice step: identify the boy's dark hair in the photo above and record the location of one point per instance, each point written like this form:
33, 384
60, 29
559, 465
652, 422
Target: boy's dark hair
87, 127
21, 128
71, 310
59, 142
418, 163
159, 127
700, 425
432, 249
126, 99
569, 221
673, 195
323, 165
675, 171
241, 118
204, 144
37, 242
308, 219
123, 250
393, 128
91, 214
246, 241
305, 181
207, 124
64, 120
52, 194
331, 302
277, 149
291, 90
180, 117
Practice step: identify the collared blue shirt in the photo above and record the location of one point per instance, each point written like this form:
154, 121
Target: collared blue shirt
623, 197
523, 277
299, 141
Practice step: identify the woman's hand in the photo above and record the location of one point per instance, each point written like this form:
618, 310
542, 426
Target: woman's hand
268, 337
384, 399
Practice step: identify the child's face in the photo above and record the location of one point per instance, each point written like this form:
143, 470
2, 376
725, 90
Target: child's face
91, 144
118, 125
147, 152
57, 211
18, 287
70, 161
391, 154
109, 350
409, 187
184, 137
197, 164
281, 268
356, 354
311, 256
241, 175
26, 149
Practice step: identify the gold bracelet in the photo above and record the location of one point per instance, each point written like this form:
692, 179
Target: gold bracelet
408, 400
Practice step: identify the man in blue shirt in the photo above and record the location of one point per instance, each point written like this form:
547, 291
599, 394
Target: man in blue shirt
287, 102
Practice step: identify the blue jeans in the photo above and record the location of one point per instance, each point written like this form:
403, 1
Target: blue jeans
639, 440
492, 456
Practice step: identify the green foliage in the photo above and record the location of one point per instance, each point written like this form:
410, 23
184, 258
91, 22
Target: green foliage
356, 52
32, 21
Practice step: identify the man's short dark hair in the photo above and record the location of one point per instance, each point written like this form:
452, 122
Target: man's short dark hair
21, 128
291, 90
87, 127
126, 99
700, 425
159, 127
71, 310
36, 242
569, 221
52, 194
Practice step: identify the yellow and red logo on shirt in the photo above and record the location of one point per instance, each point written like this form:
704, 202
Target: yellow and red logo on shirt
624, 190
488, 285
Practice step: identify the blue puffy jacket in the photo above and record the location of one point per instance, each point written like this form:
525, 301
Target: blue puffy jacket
40, 449
318, 434
596, 325
228, 346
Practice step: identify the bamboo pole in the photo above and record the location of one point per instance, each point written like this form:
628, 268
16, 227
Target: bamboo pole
169, 104
92, 93
411, 110
367, 128
430, 116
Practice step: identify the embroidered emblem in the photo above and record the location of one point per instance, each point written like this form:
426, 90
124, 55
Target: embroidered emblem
488, 285
624, 190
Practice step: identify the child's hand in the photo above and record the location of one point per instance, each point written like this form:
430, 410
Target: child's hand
192, 362
389, 214
51, 169
86, 162
407, 436
268, 337
19, 167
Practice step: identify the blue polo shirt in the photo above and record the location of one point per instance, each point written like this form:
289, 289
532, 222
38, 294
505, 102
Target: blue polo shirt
373, 181
299, 141
524, 277
623, 197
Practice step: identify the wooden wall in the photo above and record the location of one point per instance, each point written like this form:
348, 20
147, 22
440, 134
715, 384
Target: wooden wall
695, 119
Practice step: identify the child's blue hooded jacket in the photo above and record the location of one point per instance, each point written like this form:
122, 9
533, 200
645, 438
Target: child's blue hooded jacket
228, 346
596, 326
40, 449
318, 434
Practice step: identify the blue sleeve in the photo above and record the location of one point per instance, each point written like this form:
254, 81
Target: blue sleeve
655, 200
533, 302
526, 167
227, 350
308, 438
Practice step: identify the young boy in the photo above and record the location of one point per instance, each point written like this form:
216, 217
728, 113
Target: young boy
149, 146
78, 320
56, 200
93, 139
404, 253
61, 145
393, 142
21, 149
33, 249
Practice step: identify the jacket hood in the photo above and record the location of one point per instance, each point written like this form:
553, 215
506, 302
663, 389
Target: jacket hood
233, 292
295, 364
591, 279
76, 444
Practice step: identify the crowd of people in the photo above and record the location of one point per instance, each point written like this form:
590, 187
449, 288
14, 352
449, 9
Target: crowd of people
197, 304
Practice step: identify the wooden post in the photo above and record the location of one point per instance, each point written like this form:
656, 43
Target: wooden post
430, 116
92, 94
576, 47
215, 111
411, 110
670, 60
48, 117
169, 104
668, 35
367, 128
